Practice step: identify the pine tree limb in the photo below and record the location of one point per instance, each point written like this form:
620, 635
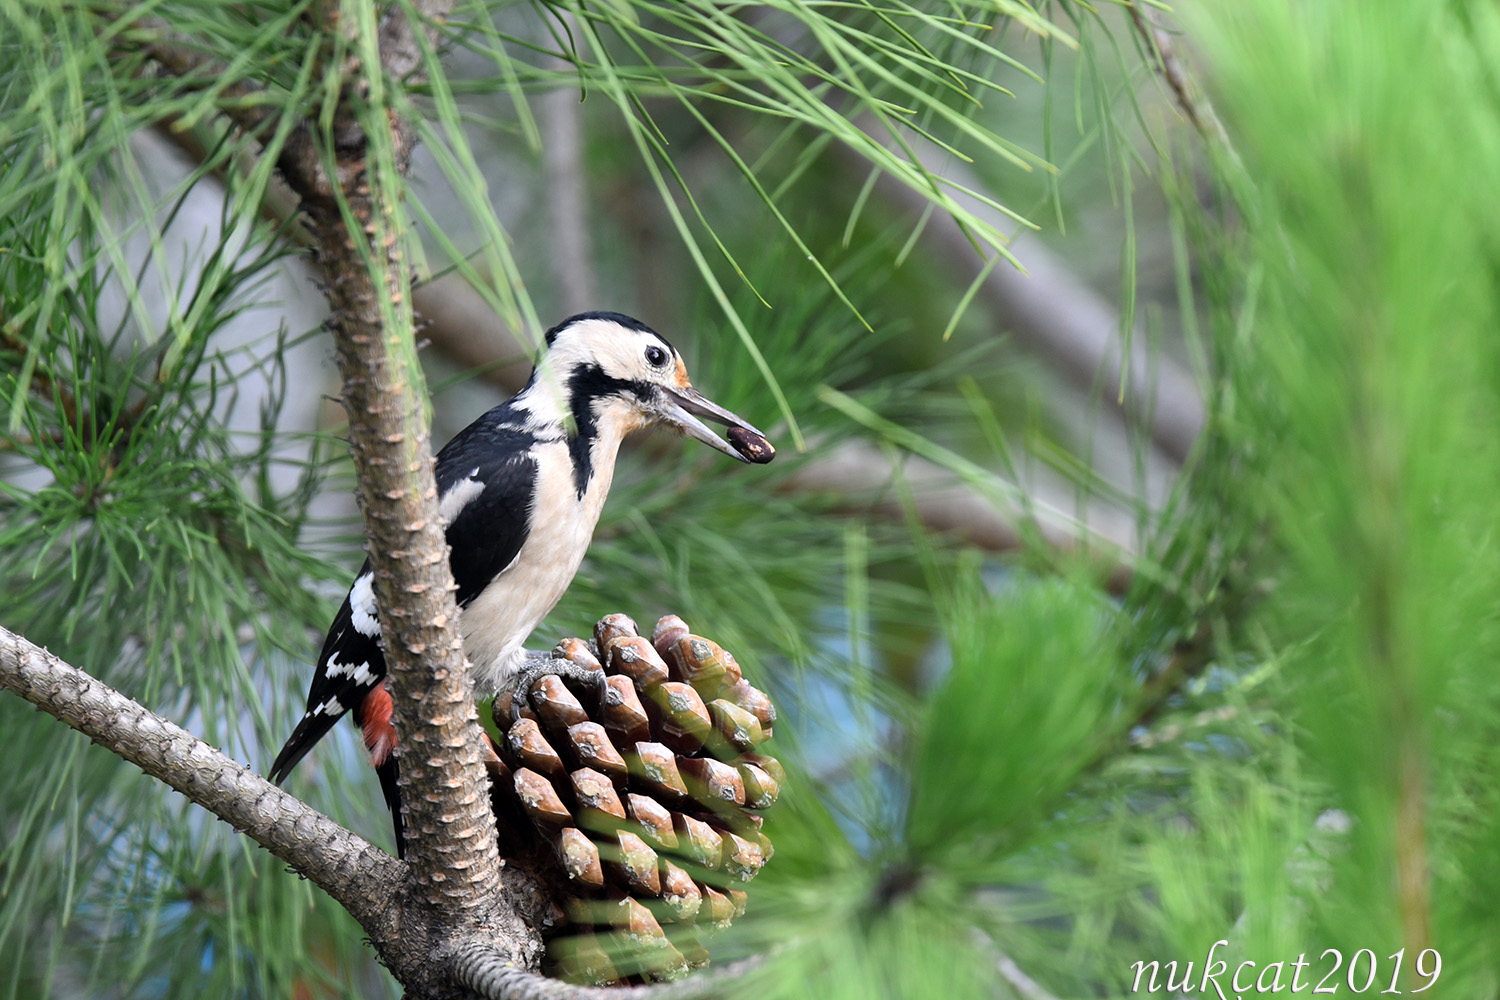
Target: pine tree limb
177, 57
420, 944
451, 838
450, 830
353, 222
356, 873
453, 886
477, 968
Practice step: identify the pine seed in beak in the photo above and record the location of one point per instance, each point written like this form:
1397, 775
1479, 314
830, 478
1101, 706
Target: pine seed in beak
751, 446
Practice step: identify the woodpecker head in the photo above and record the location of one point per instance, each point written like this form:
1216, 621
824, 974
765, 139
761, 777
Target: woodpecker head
614, 374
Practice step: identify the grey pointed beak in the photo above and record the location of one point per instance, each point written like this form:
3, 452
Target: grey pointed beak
683, 407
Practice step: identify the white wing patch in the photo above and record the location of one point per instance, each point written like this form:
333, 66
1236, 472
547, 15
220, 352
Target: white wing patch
329, 707
459, 496
361, 673
364, 614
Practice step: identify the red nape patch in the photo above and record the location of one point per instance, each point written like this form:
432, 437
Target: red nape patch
375, 716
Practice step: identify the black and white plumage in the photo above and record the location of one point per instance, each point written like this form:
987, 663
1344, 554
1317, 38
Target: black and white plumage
519, 491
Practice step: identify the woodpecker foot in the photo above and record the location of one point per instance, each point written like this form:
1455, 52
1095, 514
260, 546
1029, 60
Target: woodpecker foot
539, 664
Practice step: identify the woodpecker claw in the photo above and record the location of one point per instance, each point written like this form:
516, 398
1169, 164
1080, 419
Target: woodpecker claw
540, 664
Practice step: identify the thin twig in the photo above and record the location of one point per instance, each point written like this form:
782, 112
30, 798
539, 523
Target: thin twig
1190, 657
1014, 976
460, 323
1190, 98
1019, 981
278, 206
178, 58
1174, 731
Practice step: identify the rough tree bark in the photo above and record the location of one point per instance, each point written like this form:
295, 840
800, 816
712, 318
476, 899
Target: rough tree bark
454, 872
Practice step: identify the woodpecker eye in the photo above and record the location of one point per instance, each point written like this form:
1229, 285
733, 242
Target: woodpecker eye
655, 356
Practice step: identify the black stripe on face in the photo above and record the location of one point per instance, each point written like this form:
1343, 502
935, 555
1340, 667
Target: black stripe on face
587, 385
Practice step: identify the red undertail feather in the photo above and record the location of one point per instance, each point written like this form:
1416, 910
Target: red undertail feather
375, 717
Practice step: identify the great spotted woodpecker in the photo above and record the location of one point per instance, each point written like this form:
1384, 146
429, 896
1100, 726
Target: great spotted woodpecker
520, 491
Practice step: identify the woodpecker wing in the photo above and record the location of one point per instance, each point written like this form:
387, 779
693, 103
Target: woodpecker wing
486, 479
487, 503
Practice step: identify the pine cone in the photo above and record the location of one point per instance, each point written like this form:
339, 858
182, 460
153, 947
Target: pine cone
637, 801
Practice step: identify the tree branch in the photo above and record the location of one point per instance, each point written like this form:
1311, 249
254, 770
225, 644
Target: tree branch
451, 839
453, 885
476, 966
451, 844
461, 325
177, 56
356, 873
410, 935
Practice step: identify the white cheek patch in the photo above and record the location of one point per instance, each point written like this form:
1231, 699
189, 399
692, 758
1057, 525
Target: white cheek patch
364, 614
620, 351
460, 496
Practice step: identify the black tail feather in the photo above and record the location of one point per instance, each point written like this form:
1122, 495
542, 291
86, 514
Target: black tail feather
388, 785
309, 731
